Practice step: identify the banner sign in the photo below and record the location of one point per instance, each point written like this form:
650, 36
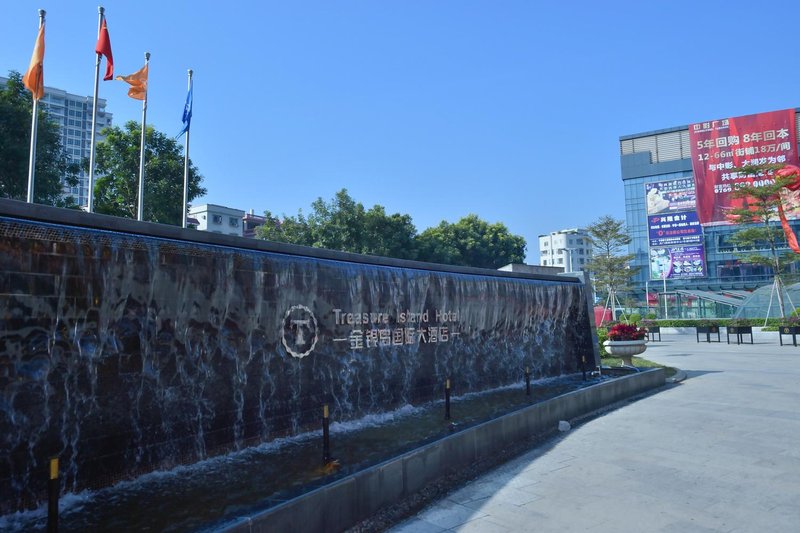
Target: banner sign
677, 262
719, 147
675, 229
670, 196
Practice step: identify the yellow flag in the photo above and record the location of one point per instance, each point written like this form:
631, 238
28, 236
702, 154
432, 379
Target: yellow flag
34, 76
138, 83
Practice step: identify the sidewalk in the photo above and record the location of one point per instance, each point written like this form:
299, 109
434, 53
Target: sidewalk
718, 452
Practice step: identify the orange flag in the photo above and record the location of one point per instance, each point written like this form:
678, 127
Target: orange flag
34, 76
138, 83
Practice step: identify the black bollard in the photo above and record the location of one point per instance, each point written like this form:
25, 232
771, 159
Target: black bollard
527, 381
447, 400
583, 367
53, 488
326, 436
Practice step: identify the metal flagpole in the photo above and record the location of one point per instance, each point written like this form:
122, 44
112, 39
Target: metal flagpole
186, 163
34, 125
90, 205
666, 309
140, 208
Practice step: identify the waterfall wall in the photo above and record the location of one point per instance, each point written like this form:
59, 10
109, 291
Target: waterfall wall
122, 353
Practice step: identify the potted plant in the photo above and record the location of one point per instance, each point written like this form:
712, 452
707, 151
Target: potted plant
708, 328
625, 341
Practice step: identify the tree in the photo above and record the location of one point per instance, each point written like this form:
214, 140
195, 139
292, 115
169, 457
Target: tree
117, 165
471, 242
610, 267
343, 224
54, 169
762, 197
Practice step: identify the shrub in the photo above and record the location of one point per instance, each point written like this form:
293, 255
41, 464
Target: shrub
602, 336
634, 318
651, 316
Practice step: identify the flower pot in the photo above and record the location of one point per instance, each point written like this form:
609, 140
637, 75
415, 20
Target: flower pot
625, 349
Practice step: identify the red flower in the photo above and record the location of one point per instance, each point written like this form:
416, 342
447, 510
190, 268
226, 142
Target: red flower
626, 332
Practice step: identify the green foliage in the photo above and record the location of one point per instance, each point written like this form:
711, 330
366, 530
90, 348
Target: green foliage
53, 170
762, 196
651, 316
634, 318
471, 242
344, 224
610, 267
117, 165
602, 336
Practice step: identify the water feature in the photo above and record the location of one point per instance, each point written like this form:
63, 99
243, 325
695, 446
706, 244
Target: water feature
124, 354
207, 494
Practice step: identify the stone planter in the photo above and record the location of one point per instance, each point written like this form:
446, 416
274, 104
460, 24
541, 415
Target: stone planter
625, 349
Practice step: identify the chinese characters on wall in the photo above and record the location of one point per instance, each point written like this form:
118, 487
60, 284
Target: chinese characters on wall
719, 147
370, 330
674, 231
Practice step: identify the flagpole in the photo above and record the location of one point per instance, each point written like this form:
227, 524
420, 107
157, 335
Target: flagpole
34, 125
90, 205
140, 209
186, 163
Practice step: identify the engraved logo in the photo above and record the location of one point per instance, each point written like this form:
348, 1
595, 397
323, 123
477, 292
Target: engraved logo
299, 334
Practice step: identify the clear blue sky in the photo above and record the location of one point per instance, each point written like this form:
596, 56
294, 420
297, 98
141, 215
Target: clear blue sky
508, 109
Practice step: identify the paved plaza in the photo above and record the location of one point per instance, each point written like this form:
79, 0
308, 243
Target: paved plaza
719, 451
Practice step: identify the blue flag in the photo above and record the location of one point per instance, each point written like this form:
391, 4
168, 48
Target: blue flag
187, 110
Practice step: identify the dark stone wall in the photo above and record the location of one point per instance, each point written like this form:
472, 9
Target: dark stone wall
122, 353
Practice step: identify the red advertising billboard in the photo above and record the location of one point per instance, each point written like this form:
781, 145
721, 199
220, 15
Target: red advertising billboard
720, 146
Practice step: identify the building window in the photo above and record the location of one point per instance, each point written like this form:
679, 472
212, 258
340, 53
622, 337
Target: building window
216, 219
544, 262
560, 252
560, 261
580, 251
233, 221
580, 241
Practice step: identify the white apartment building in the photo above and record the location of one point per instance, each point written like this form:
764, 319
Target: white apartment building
570, 249
218, 219
73, 114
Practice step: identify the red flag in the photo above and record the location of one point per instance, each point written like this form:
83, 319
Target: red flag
34, 76
104, 47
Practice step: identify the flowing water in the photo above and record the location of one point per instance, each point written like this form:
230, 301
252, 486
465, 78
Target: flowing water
207, 494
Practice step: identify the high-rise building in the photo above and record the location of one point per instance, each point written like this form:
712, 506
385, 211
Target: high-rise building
570, 249
678, 183
73, 114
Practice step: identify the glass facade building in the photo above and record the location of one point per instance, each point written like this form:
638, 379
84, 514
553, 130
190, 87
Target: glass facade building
665, 155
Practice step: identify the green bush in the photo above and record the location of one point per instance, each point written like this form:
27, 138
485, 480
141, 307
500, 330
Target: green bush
634, 318
602, 336
651, 316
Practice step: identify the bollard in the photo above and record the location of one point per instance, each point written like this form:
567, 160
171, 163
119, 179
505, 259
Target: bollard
326, 436
53, 489
527, 381
447, 400
583, 366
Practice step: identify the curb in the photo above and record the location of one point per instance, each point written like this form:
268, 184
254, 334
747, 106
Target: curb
679, 376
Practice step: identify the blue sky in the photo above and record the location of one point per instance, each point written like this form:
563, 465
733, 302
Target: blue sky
508, 109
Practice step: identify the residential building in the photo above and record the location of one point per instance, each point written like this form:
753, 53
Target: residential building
250, 222
570, 249
73, 114
218, 219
